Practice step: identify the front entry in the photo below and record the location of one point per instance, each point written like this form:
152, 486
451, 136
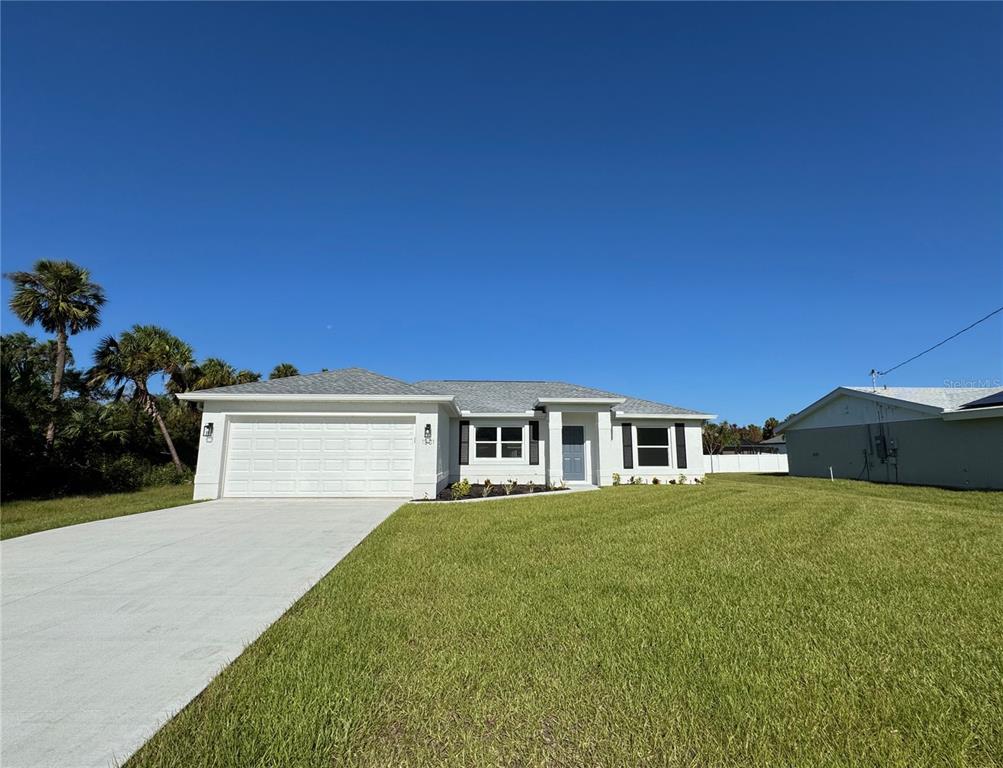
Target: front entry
573, 439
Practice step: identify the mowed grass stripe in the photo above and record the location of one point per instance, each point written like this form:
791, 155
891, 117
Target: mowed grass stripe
751, 621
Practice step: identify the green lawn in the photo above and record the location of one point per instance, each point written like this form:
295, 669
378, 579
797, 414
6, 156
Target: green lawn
20, 517
752, 621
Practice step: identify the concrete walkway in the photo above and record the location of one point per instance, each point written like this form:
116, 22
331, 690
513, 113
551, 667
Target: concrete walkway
109, 628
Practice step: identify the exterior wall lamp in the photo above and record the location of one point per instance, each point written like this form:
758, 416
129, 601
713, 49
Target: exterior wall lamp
207, 431
428, 434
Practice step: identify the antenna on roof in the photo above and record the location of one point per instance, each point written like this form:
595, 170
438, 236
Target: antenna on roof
874, 379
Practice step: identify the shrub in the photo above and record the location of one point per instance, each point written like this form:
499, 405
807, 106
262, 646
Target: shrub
510, 486
125, 473
636, 480
616, 478
655, 481
460, 489
682, 479
167, 474
531, 486
486, 490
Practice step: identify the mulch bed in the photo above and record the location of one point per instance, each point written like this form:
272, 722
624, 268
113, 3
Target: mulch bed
477, 491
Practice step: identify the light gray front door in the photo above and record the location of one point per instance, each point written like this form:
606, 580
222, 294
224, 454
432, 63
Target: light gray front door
573, 439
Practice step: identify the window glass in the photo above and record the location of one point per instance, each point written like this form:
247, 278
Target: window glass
651, 436
487, 433
487, 450
511, 434
653, 457
511, 450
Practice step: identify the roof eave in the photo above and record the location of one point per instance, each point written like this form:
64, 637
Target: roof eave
290, 397
987, 412
580, 400
690, 416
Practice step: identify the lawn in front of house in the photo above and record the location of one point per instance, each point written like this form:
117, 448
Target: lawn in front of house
749, 621
20, 517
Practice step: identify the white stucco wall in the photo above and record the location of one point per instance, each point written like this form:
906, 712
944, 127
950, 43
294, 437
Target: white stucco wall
694, 450
436, 460
497, 470
847, 410
211, 458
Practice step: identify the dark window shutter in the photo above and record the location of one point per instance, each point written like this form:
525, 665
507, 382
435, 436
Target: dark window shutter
464, 442
534, 442
681, 445
628, 446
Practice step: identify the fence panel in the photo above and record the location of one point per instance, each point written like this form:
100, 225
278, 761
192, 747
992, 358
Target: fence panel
752, 462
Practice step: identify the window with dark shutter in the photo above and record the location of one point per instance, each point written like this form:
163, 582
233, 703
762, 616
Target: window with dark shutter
464, 442
628, 446
681, 445
652, 447
534, 442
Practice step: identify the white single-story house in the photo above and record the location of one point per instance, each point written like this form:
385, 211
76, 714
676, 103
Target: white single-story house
351, 432
946, 436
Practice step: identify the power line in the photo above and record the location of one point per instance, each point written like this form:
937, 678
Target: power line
875, 373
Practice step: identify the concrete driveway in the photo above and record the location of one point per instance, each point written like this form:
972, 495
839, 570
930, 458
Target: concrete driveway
109, 628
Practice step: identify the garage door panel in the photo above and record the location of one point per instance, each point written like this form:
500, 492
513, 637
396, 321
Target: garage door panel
339, 456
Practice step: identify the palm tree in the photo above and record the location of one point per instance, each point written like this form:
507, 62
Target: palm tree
284, 370
211, 372
59, 296
129, 361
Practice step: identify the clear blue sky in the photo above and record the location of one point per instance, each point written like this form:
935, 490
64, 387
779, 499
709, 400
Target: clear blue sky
726, 207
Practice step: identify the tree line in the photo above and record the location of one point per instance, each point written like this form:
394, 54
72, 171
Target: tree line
67, 429
724, 434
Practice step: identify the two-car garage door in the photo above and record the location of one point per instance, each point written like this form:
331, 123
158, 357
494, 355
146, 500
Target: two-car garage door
328, 456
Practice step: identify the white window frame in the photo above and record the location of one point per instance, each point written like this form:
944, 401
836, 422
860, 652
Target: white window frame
669, 434
522, 458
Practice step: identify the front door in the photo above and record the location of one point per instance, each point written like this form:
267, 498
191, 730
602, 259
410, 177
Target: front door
573, 439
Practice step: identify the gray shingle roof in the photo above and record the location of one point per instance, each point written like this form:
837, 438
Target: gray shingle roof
944, 398
519, 396
344, 381
472, 396
507, 396
633, 405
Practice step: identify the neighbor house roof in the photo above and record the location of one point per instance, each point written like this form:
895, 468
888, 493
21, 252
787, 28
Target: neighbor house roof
944, 398
945, 401
495, 397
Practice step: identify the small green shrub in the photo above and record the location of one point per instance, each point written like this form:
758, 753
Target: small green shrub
168, 474
460, 490
682, 479
616, 478
636, 480
125, 473
655, 481
486, 490
510, 486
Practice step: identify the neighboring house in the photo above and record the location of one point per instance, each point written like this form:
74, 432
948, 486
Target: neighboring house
745, 447
352, 432
775, 444
950, 437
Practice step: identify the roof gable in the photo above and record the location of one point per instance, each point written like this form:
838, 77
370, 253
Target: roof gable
862, 405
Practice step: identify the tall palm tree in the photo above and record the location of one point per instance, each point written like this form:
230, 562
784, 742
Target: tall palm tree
59, 296
129, 361
211, 372
284, 370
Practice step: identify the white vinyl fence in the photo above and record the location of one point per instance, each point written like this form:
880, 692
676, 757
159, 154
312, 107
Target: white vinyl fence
752, 462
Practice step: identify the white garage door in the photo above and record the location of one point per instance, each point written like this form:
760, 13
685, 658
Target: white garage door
320, 457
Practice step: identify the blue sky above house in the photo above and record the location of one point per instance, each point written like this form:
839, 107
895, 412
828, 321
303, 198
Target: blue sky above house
727, 207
